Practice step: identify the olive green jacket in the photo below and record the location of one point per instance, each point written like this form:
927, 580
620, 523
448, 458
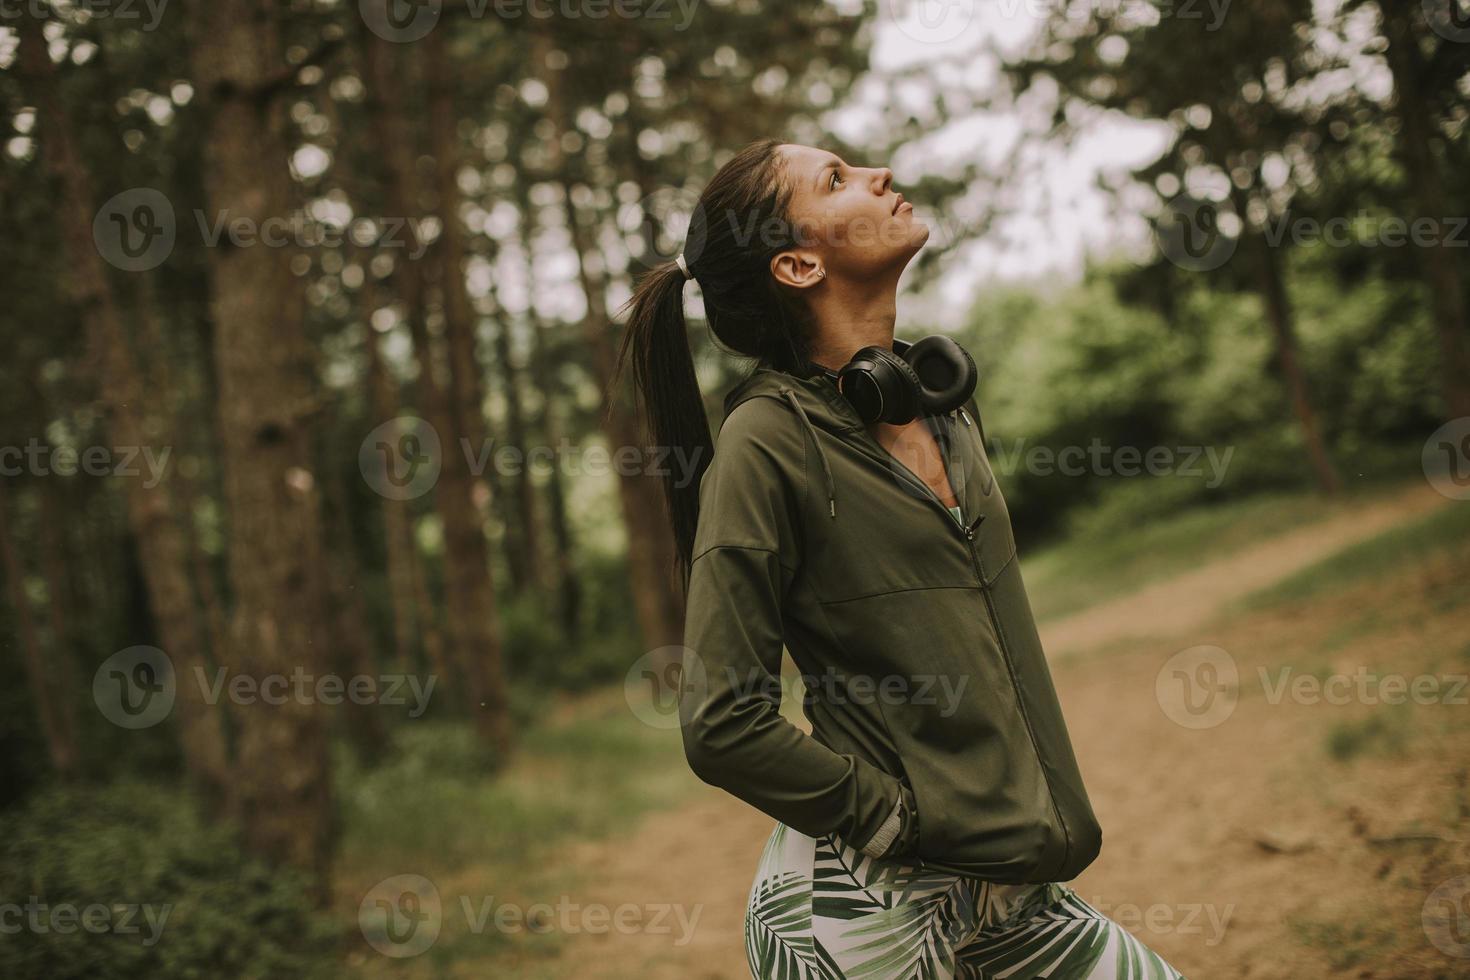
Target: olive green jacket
936, 731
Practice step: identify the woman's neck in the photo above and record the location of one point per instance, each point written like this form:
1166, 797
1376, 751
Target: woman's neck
849, 317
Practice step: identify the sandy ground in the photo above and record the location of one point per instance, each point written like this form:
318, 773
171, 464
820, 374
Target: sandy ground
1242, 850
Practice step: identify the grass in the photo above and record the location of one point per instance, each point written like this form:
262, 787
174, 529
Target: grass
1347, 944
1386, 731
1103, 562
488, 839
1415, 541
586, 776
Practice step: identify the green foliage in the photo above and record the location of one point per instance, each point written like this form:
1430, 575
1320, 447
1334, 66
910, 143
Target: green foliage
1227, 385
1346, 944
215, 912
429, 805
429, 802
535, 644
1370, 351
1385, 731
1112, 359
23, 763
542, 650
1086, 367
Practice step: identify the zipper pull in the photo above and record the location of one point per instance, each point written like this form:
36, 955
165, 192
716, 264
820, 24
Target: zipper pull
974, 526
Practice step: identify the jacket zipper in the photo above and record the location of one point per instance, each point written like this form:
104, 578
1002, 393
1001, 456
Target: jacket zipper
1005, 652
968, 534
909, 476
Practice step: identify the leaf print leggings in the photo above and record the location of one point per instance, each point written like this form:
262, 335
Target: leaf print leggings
820, 910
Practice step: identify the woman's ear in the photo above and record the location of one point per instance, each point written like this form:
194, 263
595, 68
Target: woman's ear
797, 268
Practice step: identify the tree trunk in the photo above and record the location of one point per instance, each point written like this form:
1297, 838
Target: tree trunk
346, 639
454, 493
650, 550
162, 549
632, 124
470, 588
415, 611
522, 531
282, 782
567, 584
430, 633
60, 596
1278, 313
61, 750
397, 520
656, 598
1426, 190
170, 418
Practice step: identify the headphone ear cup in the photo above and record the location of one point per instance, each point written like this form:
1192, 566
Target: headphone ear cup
881, 386
945, 372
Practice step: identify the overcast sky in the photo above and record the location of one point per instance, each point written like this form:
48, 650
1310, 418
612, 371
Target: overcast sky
1058, 215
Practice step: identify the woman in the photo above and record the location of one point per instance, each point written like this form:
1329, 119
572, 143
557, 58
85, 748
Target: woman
926, 826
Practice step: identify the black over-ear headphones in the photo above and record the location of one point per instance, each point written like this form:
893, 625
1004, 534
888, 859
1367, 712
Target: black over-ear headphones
930, 377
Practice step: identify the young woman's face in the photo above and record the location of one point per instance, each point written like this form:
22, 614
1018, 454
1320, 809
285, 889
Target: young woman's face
848, 220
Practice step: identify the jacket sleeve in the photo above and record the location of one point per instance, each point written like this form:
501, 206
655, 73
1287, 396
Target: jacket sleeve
747, 550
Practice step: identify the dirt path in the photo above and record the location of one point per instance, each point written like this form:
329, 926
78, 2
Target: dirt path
1186, 602
701, 856
1191, 817
1182, 865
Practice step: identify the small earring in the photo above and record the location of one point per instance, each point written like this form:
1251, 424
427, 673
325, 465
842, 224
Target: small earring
822, 272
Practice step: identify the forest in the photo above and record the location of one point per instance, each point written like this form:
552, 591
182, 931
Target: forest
333, 548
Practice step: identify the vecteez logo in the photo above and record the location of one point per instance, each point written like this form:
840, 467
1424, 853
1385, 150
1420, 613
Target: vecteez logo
402, 458
401, 916
1446, 917
937, 22
670, 220
136, 230
1198, 687
1446, 459
1450, 19
401, 21
1197, 234
135, 688
657, 681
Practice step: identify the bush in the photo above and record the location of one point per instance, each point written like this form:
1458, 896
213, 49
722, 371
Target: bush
162, 894
1085, 363
540, 654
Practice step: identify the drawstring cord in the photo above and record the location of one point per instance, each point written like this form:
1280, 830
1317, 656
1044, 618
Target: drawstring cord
826, 469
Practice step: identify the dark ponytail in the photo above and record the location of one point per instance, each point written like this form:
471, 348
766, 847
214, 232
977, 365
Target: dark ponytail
740, 222
668, 393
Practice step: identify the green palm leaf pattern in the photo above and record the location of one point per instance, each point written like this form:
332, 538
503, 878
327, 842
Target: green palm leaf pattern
779, 942
903, 921
820, 910
1064, 939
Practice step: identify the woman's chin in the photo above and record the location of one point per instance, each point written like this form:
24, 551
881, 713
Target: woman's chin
918, 236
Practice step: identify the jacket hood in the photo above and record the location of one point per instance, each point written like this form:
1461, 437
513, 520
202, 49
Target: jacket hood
815, 402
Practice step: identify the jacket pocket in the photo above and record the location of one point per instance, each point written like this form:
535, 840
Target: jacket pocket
910, 836
979, 793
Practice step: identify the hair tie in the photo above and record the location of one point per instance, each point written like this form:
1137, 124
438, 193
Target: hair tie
680, 260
